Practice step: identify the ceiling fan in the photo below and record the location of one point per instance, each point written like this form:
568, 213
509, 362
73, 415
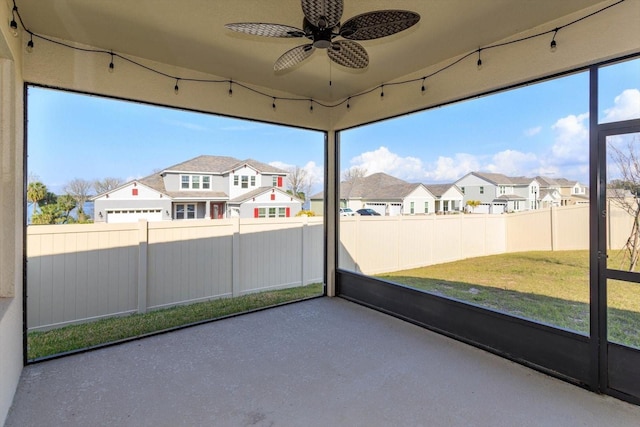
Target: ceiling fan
321, 25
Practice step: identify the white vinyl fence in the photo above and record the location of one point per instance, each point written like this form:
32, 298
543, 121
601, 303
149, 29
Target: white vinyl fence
78, 272
81, 272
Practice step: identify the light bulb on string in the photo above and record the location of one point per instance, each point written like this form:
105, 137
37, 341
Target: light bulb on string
176, 88
13, 24
479, 63
30, 44
424, 87
112, 66
311, 106
349, 103
382, 92
553, 46
230, 88
273, 104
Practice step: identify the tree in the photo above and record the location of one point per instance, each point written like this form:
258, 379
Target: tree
353, 173
106, 184
624, 194
57, 211
79, 189
473, 204
299, 182
36, 192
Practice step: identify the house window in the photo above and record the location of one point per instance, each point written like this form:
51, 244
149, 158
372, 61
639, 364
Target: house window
411, 208
253, 181
516, 205
245, 181
462, 189
186, 211
195, 182
426, 207
206, 182
235, 180
501, 189
275, 181
481, 190
271, 212
445, 206
185, 182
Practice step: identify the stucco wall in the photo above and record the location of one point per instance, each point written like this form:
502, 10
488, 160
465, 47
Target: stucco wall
11, 213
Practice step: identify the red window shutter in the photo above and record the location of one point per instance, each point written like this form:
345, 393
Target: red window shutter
288, 214
134, 191
273, 197
255, 213
279, 181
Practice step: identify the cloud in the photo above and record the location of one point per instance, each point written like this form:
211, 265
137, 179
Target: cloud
187, 125
571, 142
533, 131
513, 163
451, 168
382, 160
625, 106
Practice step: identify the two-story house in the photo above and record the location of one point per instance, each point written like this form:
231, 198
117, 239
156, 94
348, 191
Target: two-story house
212, 187
498, 193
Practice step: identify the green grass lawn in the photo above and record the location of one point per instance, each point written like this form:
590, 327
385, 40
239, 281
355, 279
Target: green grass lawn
548, 287
86, 335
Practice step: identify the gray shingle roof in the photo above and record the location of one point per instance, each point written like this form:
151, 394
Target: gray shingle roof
493, 178
156, 182
438, 189
220, 165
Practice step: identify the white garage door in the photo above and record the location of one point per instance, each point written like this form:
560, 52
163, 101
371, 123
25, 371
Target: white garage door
133, 215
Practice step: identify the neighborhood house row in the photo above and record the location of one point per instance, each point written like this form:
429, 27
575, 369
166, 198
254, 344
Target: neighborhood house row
216, 187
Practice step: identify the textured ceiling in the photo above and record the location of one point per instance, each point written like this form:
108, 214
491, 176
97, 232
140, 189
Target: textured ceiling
191, 34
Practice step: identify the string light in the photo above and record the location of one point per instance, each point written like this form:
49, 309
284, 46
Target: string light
13, 24
30, 44
553, 46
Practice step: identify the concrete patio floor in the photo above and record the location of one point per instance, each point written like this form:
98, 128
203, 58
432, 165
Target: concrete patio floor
322, 362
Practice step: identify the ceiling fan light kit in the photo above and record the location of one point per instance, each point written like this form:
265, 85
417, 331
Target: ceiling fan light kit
321, 25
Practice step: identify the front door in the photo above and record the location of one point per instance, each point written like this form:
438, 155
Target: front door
619, 260
217, 210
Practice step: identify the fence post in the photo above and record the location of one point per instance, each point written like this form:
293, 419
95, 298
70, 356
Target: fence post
303, 253
235, 258
554, 224
143, 246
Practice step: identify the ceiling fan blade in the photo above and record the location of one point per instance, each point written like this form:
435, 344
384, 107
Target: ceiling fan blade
323, 13
381, 23
266, 30
348, 54
293, 57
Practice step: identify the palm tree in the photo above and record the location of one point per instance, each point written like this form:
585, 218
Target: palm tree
36, 191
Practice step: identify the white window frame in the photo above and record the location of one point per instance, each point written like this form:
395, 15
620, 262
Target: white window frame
185, 211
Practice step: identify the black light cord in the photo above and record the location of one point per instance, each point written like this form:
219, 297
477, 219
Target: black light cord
347, 101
